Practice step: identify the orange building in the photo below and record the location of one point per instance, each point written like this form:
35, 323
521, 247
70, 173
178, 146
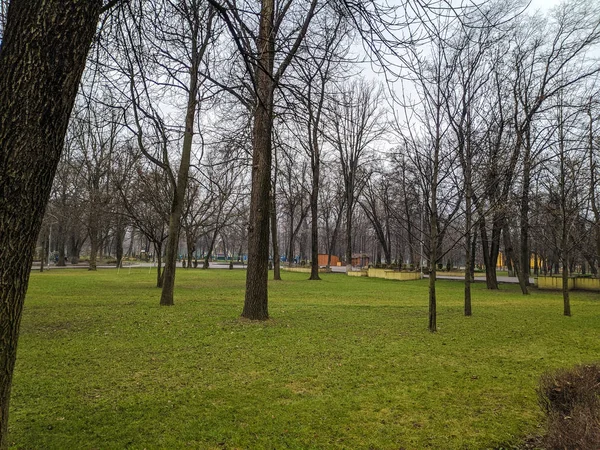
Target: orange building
323, 260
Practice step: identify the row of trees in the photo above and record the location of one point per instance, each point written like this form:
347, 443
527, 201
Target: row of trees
246, 121
487, 141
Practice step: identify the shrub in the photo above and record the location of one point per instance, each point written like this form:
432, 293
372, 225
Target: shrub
571, 400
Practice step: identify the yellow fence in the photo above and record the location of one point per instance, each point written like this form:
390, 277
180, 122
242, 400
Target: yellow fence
358, 273
556, 283
393, 275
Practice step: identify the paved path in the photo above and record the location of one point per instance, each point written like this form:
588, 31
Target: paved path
219, 265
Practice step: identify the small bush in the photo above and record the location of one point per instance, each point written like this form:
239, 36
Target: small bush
571, 400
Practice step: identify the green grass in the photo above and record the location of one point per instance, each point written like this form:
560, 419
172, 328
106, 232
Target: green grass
344, 363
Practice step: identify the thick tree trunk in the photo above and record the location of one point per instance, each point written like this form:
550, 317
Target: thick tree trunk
256, 299
159, 270
42, 57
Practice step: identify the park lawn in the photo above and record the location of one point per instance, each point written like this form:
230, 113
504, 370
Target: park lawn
344, 363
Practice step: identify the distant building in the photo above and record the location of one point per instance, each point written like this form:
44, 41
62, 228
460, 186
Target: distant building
360, 259
335, 261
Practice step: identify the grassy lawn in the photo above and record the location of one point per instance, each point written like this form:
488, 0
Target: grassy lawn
344, 363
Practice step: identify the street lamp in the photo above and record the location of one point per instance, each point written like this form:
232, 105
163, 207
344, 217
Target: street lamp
50, 237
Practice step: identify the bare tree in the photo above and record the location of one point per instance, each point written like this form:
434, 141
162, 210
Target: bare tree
258, 51
145, 194
567, 181
323, 56
164, 44
356, 125
547, 62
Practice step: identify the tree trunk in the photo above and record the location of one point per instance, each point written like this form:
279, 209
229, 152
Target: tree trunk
42, 57
433, 241
94, 243
491, 249
334, 236
473, 253
290, 249
75, 245
211, 246
191, 247
131, 240
349, 193
468, 238
275, 239
166, 298
119, 238
565, 287
256, 299
44, 257
510, 255
159, 272
433, 270
524, 218
314, 211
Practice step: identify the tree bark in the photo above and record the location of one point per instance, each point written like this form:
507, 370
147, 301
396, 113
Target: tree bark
42, 57
159, 272
256, 299
119, 238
